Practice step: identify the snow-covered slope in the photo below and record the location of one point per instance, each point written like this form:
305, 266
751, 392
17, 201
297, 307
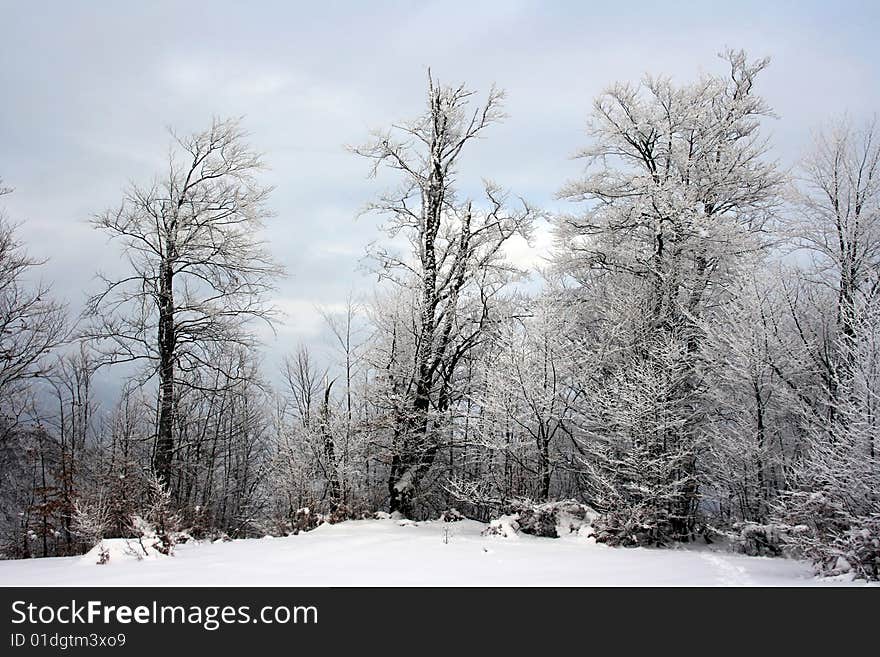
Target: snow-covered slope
393, 553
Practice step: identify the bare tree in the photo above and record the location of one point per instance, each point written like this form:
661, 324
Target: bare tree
196, 269
346, 329
31, 323
837, 222
454, 268
308, 437
302, 380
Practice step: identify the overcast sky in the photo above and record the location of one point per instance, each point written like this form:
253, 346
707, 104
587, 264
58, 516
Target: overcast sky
88, 89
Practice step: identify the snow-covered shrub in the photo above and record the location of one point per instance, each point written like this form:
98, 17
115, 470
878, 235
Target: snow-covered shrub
275, 525
505, 526
201, 523
856, 550
538, 520
631, 526
545, 519
756, 539
145, 539
90, 521
145, 545
835, 539
161, 518
573, 517
451, 515
159, 527
103, 555
304, 520
552, 519
340, 514
859, 547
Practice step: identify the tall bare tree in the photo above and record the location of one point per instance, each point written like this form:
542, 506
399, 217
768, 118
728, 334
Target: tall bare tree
453, 270
197, 271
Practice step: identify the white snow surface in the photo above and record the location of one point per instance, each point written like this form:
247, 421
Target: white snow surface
433, 553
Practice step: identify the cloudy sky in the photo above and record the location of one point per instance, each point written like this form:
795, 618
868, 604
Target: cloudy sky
89, 88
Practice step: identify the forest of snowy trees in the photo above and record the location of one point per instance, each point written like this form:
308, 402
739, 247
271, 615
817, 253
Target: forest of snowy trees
698, 359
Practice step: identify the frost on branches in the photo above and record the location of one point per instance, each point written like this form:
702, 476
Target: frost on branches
697, 357
679, 192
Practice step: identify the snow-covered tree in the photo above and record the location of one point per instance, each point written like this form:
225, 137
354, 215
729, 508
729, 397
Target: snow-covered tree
196, 269
837, 482
453, 270
524, 397
752, 431
32, 323
678, 188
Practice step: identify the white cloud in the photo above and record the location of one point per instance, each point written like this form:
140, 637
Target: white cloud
531, 254
302, 317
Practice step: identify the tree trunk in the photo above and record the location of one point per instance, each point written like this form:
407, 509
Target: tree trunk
761, 441
333, 485
165, 438
544, 456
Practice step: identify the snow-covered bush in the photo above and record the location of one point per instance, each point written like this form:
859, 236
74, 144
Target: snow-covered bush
552, 519
156, 530
103, 555
162, 520
505, 526
756, 539
340, 514
859, 548
832, 537
631, 526
90, 521
537, 521
201, 523
547, 519
451, 515
144, 544
304, 520
572, 516
275, 525
146, 538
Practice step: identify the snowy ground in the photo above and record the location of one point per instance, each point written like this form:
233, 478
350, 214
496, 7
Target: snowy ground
391, 553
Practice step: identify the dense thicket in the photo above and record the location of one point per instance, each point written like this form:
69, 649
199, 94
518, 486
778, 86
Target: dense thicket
700, 361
